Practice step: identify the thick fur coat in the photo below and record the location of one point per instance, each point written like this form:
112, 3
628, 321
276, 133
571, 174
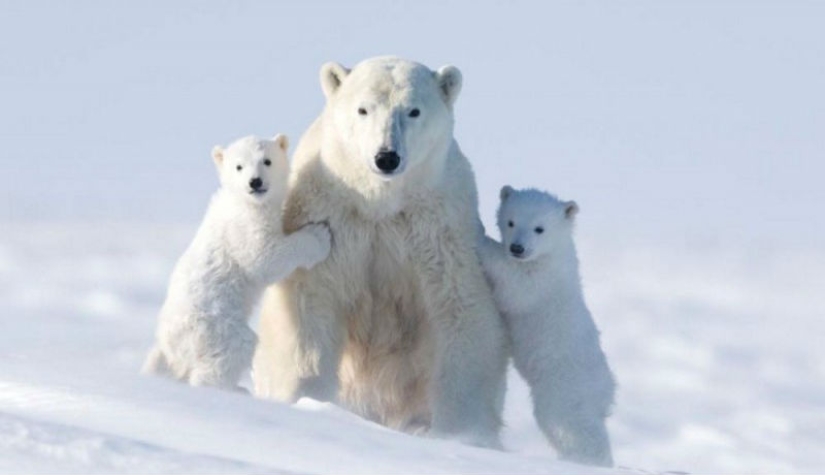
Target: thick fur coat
399, 323
203, 337
555, 343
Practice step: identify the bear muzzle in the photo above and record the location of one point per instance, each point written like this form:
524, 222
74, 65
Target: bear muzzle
256, 185
517, 250
388, 162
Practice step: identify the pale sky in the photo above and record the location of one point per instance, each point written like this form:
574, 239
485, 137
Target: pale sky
705, 119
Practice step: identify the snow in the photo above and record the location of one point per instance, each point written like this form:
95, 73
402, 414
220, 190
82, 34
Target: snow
78, 306
690, 135
712, 348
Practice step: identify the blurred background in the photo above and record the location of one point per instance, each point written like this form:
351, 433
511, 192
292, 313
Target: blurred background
699, 119
691, 134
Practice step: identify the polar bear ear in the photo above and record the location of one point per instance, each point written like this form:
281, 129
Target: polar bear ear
571, 209
505, 192
217, 155
332, 75
282, 141
449, 82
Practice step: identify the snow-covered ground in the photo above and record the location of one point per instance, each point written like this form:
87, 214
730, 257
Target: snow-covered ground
691, 134
715, 350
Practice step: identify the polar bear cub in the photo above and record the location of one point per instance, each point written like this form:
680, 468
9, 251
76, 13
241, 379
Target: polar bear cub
203, 336
534, 273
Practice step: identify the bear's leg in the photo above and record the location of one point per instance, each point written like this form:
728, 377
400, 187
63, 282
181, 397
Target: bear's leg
318, 355
224, 353
570, 401
155, 363
577, 437
300, 345
468, 391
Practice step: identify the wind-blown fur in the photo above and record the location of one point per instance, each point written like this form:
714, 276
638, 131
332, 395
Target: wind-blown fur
203, 337
555, 342
398, 324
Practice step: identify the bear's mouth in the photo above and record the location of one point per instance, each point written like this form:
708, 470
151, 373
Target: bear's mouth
259, 191
389, 175
524, 256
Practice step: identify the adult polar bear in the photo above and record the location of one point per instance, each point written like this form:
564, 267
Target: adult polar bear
398, 323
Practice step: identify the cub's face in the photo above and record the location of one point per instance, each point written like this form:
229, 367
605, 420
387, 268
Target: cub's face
388, 115
533, 223
255, 169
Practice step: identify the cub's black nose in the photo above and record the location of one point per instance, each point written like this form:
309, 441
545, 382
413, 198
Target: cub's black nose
255, 183
516, 249
387, 161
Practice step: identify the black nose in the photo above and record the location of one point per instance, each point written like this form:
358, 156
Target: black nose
255, 183
387, 161
516, 249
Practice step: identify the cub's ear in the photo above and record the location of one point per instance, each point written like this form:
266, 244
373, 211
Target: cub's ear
282, 141
449, 83
571, 209
505, 192
217, 155
332, 75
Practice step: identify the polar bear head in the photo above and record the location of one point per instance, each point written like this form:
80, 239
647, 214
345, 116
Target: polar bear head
386, 118
534, 223
253, 168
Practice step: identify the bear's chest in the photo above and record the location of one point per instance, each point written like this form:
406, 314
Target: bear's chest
380, 262
520, 293
381, 300
382, 251
390, 258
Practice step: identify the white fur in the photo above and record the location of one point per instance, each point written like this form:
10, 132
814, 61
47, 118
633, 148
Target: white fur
203, 337
554, 339
398, 324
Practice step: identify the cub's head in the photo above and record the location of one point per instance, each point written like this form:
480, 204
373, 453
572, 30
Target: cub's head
387, 115
256, 169
534, 223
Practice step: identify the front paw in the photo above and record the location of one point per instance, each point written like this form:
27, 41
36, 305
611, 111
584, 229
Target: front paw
320, 245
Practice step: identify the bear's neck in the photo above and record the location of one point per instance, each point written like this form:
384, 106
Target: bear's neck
240, 210
376, 199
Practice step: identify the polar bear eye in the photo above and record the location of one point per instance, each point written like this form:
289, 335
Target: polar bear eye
267, 162
509, 224
362, 111
239, 168
539, 230
415, 113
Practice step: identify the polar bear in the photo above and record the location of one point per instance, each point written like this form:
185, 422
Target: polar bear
398, 324
534, 272
202, 336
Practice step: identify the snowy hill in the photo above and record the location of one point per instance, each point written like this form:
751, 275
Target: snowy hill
711, 347
690, 133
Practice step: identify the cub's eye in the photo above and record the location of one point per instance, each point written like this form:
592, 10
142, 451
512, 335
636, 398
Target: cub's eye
239, 168
362, 111
539, 230
267, 162
415, 113
509, 224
